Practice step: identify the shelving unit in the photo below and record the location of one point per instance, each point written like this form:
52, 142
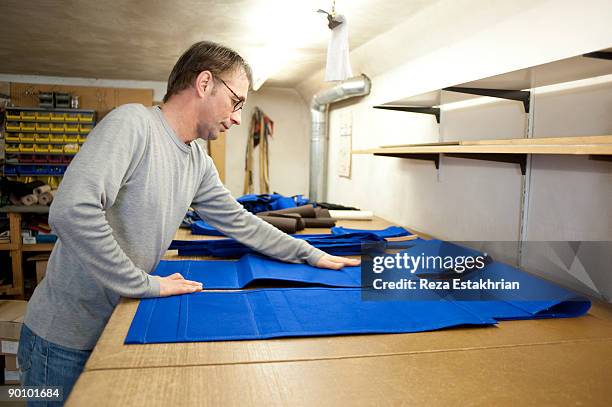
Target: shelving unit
515, 86
43, 141
518, 86
509, 150
17, 248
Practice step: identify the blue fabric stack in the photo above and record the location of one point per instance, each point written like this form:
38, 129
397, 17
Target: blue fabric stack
342, 242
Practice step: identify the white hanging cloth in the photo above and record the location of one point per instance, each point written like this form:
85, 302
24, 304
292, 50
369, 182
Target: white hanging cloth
338, 66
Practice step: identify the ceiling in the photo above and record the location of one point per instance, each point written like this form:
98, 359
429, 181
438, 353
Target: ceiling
141, 39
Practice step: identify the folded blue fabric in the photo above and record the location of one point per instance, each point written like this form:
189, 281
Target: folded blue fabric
200, 227
269, 313
341, 245
261, 314
220, 274
391, 231
270, 202
253, 203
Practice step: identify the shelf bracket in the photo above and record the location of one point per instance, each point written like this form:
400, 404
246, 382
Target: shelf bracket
435, 158
598, 157
413, 109
599, 55
518, 95
520, 159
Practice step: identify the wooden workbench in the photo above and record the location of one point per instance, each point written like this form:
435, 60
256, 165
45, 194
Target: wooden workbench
537, 362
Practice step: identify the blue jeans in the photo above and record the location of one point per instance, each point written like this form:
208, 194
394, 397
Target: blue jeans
43, 363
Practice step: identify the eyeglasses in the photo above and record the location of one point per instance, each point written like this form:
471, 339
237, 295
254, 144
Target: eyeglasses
240, 103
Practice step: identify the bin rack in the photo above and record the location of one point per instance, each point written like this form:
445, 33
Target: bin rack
46, 137
58, 117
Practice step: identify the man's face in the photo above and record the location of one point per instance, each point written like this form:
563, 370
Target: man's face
217, 107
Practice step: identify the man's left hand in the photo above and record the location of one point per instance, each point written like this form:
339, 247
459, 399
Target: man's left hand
336, 263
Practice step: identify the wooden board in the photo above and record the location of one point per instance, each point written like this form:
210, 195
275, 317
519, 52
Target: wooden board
565, 141
442, 143
216, 149
544, 140
568, 149
606, 139
556, 374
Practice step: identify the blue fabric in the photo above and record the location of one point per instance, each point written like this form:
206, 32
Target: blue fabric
200, 227
443, 249
301, 201
284, 203
270, 202
391, 231
270, 313
261, 314
189, 218
340, 245
46, 364
537, 298
219, 274
253, 203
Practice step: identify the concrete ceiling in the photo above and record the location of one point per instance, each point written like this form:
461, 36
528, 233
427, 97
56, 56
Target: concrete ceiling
141, 39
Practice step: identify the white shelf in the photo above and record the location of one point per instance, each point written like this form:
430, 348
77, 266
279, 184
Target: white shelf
565, 70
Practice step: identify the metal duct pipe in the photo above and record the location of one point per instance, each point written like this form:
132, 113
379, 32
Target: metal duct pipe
319, 109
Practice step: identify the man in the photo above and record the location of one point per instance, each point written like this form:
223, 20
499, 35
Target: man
120, 203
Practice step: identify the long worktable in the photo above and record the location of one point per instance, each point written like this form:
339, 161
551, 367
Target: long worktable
535, 362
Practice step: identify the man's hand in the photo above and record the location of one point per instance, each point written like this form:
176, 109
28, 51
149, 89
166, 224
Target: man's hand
334, 262
176, 284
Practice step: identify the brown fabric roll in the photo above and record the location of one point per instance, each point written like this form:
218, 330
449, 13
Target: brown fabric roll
300, 222
322, 213
287, 225
319, 222
306, 211
284, 215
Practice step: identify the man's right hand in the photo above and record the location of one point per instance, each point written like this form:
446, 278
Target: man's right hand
176, 284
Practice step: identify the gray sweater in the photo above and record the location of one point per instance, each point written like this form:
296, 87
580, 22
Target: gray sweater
116, 212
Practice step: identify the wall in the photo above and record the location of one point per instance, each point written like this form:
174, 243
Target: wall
288, 147
459, 41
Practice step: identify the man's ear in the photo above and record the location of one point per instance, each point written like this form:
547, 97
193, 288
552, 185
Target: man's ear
202, 83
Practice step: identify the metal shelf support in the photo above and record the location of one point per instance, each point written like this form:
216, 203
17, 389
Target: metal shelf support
518, 95
435, 158
599, 55
414, 109
520, 159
